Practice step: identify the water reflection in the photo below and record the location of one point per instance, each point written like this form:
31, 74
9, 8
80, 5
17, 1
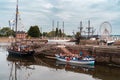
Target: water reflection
67, 67
31, 64
75, 67
107, 73
22, 61
18, 64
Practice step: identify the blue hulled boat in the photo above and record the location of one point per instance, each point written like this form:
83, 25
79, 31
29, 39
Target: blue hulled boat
75, 60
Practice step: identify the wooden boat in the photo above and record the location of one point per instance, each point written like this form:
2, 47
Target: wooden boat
74, 60
20, 53
22, 61
21, 50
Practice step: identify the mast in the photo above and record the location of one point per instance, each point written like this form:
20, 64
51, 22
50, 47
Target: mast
58, 28
89, 28
63, 29
58, 24
53, 28
81, 28
16, 17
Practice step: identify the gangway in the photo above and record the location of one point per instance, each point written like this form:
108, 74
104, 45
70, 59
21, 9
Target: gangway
65, 50
45, 47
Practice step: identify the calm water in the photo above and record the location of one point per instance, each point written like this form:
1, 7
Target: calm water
37, 68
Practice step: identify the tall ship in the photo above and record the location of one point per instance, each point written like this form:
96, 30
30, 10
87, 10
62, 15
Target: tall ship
20, 48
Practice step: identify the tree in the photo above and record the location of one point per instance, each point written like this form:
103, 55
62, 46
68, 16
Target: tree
77, 36
56, 32
34, 31
6, 31
44, 34
50, 34
60, 33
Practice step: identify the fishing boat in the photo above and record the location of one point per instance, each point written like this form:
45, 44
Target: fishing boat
20, 48
75, 60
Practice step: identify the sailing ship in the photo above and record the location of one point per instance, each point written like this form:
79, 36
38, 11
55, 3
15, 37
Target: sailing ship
20, 48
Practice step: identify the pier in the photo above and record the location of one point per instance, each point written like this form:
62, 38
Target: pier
103, 54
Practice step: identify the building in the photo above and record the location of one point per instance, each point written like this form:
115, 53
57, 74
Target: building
21, 35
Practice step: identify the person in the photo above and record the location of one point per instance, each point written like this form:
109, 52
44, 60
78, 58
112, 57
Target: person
61, 55
74, 58
67, 58
81, 53
19, 48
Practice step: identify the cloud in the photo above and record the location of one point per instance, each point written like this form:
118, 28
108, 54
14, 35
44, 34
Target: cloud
42, 12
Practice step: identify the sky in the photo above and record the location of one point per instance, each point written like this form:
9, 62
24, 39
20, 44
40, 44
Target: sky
43, 12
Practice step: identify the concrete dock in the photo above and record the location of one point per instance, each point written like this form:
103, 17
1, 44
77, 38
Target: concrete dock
103, 54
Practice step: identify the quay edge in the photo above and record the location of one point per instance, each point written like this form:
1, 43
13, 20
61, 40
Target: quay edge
103, 54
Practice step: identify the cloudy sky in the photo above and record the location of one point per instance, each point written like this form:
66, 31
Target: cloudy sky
43, 12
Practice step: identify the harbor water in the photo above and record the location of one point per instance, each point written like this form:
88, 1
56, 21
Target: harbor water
38, 68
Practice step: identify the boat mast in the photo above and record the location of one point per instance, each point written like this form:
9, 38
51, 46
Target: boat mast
53, 29
16, 16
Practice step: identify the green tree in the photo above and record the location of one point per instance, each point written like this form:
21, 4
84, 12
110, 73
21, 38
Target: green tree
60, 33
56, 32
34, 31
51, 34
44, 34
77, 36
6, 31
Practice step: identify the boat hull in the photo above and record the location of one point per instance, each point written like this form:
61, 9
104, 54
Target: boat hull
18, 53
75, 65
91, 62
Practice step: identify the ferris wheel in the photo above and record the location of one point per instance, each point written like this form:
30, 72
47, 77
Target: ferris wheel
105, 30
